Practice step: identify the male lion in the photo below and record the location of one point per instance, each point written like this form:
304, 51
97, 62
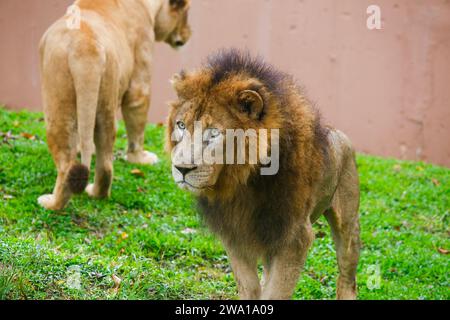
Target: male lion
88, 71
256, 216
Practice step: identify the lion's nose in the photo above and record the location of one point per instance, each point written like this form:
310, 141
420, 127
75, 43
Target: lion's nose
185, 170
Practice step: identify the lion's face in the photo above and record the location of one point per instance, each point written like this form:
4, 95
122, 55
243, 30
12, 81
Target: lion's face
199, 125
172, 25
189, 170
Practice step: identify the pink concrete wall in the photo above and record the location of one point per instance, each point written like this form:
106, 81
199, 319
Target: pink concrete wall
387, 89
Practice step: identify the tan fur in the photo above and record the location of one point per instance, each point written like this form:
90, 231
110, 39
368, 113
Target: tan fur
268, 218
90, 72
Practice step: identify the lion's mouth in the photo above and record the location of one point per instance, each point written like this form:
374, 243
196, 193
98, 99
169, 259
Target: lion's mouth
184, 183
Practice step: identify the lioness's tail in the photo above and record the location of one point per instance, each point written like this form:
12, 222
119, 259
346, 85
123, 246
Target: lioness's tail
86, 67
77, 178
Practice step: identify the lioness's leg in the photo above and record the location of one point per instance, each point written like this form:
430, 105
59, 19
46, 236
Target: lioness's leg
135, 110
245, 270
61, 139
285, 266
104, 137
61, 192
344, 221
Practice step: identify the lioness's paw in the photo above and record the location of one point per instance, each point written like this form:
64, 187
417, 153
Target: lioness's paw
90, 190
48, 202
143, 157
96, 193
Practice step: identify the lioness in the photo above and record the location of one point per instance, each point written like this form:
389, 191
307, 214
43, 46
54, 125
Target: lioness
88, 71
256, 216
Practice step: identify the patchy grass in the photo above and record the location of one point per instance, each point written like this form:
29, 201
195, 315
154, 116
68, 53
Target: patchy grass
146, 242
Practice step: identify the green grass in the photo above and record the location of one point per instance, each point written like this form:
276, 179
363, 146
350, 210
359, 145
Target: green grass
148, 234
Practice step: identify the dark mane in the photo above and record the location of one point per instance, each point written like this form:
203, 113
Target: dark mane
227, 62
232, 61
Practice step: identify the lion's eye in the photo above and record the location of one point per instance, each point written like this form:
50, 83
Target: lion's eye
214, 133
181, 125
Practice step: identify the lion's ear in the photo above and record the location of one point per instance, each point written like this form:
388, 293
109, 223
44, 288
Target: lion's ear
176, 80
179, 4
251, 102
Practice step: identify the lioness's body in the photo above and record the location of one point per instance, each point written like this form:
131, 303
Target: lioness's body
268, 217
92, 69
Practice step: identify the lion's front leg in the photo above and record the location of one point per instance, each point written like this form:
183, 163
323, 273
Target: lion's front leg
245, 270
282, 270
135, 106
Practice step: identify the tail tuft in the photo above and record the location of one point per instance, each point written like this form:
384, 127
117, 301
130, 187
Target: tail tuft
78, 178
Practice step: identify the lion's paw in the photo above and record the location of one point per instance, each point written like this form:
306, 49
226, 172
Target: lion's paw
48, 202
143, 157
